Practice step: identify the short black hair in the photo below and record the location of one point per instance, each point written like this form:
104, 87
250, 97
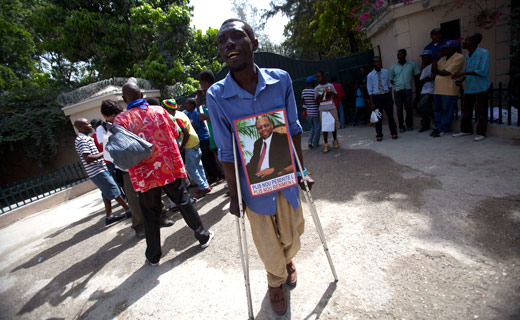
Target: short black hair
436, 30
191, 101
264, 116
476, 38
207, 75
402, 50
377, 58
110, 107
153, 101
247, 27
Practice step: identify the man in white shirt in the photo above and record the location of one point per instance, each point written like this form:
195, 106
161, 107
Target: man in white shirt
380, 91
427, 80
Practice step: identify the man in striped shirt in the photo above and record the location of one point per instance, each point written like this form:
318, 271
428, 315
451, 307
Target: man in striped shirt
312, 113
476, 87
97, 171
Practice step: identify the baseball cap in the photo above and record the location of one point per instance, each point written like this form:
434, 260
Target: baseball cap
451, 44
310, 79
170, 103
436, 30
427, 52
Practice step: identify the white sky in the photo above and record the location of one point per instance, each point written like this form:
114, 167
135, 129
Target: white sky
211, 13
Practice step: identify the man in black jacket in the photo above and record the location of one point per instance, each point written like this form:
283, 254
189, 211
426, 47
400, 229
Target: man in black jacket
271, 153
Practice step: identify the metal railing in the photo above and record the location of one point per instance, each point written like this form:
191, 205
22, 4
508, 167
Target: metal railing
500, 98
33, 189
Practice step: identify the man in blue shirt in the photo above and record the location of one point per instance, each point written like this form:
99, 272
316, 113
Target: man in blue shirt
436, 45
380, 91
276, 218
401, 75
475, 88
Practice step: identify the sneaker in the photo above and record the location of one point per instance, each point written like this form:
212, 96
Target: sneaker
435, 134
336, 144
394, 136
326, 148
461, 134
128, 213
153, 264
292, 274
443, 134
206, 244
478, 137
379, 139
277, 299
201, 193
311, 146
166, 222
114, 218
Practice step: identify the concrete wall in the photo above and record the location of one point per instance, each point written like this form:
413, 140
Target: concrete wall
408, 27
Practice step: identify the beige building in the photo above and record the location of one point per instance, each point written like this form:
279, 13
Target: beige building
408, 27
85, 102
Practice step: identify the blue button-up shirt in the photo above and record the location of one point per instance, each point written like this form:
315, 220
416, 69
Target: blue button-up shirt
227, 101
478, 63
199, 125
373, 83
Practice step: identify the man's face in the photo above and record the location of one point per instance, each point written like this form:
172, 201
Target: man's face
264, 127
189, 106
378, 64
436, 37
401, 56
467, 43
426, 59
363, 71
85, 127
205, 86
235, 46
320, 77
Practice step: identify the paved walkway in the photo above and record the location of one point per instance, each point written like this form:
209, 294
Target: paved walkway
418, 228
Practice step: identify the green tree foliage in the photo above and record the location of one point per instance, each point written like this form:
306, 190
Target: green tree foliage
319, 28
51, 46
17, 51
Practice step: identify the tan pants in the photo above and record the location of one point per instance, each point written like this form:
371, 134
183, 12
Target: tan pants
277, 238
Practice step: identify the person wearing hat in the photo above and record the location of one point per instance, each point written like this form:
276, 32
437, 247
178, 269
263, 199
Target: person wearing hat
435, 46
426, 80
190, 145
311, 112
446, 90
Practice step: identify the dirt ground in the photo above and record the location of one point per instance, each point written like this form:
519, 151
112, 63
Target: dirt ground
418, 228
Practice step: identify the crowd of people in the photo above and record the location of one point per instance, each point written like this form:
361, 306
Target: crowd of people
195, 147
444, 71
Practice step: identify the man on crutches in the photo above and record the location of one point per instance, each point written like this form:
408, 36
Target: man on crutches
276, 219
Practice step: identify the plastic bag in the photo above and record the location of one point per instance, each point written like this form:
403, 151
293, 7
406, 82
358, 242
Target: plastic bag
375, 116
126, 148
327, 122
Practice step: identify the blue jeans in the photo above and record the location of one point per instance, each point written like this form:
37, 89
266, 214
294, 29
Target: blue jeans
443, 111
314, 137
194, 166
341, 113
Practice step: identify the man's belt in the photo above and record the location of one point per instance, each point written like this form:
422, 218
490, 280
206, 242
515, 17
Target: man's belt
378, 94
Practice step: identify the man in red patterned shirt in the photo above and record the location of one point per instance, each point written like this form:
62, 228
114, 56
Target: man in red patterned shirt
163, 170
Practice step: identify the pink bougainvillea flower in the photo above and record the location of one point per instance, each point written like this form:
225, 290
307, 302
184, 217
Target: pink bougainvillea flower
351, 15
358, 27
365, 1
407, 1
379, 4
354, 9
364, 17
